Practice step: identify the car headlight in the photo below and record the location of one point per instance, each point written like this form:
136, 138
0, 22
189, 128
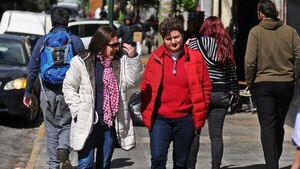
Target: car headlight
15, 84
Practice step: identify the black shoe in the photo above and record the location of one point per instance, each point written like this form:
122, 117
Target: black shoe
215, 166
63, 157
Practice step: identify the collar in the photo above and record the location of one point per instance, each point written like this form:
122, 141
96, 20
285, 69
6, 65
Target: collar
59, 28
184, 53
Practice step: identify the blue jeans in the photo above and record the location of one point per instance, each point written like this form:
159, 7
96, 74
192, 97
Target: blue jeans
57, 120
180, 131
102, 139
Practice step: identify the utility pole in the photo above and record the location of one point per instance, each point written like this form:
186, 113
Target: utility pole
110, 12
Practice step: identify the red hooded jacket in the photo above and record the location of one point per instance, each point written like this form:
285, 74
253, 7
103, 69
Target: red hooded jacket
199, 84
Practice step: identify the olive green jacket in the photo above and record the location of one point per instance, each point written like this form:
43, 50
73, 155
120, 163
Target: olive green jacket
273, 53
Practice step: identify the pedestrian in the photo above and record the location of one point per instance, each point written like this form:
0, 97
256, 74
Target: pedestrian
126, 31
95, 91
216, 47
175, 92
57, 117
271, 68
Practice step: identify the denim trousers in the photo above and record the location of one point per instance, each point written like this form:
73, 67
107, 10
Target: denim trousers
216, 116
272, 100
181, 131
101, 141
57, 120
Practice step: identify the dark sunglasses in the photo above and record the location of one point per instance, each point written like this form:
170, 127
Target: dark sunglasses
113, 45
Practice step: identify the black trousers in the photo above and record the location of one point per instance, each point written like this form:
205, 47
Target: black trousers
272, 100
216, 116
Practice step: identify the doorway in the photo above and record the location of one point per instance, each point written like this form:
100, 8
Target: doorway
244, 18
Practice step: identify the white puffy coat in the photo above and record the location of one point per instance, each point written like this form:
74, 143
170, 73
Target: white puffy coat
79, 92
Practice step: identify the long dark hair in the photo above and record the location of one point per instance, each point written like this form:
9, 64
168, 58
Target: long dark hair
100, 39
268, 8
213, 27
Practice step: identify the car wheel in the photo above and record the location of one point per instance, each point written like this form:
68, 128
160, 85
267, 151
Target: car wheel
34, 111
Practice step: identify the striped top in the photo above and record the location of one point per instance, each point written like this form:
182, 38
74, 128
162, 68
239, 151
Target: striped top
223, 76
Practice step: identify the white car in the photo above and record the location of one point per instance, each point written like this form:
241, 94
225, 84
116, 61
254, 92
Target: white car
85, 29
29, 24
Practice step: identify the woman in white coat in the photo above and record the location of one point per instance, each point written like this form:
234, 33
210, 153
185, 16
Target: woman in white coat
95, 90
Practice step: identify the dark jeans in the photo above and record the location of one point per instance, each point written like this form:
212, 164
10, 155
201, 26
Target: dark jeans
216, 115
272, 100
164, 131
102, 139
57, 120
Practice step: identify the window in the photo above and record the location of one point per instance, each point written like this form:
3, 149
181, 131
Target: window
11, 53
85, 30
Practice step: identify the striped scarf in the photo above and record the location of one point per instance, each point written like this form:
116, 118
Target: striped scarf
110, 92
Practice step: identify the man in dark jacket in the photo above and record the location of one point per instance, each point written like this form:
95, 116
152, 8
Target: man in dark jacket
271, 67
126, 31
57, 117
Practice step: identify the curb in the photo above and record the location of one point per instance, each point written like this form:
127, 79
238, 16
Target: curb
36, 148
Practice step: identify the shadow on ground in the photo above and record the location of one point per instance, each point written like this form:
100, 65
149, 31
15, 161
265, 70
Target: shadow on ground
15, 121
121, 162
255, 166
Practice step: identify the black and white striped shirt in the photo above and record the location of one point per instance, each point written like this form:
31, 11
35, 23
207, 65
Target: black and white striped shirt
223, 76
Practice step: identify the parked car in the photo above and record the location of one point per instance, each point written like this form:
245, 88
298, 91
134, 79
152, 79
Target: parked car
14, 58
86, 28
73, 7
29, 24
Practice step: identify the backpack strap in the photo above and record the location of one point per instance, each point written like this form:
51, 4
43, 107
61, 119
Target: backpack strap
67, 50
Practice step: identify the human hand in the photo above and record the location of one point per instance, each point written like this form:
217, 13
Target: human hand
189, 40
27, 101
197, 133
129, 49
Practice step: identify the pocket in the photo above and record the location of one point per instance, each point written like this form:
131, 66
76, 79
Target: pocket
219, 99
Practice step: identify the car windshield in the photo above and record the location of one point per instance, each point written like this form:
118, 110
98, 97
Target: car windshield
11, 53
32, 38
85, 30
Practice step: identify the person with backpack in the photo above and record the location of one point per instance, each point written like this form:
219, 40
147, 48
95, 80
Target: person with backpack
215, 45
50, 60
95, 88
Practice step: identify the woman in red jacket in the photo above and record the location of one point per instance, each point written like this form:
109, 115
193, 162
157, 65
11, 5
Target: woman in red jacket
175, 93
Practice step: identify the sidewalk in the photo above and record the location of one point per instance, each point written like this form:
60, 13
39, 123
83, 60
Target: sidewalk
242, 148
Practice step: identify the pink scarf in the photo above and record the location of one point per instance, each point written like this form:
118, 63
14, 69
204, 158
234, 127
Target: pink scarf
110, 92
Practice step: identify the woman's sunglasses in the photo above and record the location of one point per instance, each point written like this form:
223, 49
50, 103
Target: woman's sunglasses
113, 45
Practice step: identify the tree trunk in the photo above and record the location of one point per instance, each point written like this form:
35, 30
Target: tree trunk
164, 12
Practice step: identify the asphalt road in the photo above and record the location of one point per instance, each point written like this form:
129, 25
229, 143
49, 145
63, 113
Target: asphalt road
16, 141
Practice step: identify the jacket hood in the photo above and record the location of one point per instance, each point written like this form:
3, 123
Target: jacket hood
270, 24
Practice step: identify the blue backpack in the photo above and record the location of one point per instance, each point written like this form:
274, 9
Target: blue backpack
55, 57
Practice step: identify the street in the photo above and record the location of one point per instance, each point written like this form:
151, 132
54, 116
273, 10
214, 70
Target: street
242, 148
16, 142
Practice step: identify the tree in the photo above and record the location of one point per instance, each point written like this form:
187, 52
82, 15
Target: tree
165, 11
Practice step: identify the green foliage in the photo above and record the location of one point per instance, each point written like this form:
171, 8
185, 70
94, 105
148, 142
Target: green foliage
189, 5
121, 17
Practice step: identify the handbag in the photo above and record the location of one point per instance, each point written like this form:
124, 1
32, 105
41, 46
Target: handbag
234, 106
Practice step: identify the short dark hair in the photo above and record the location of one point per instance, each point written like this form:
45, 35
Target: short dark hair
268, 8
170, 24
100, 39
60, 16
